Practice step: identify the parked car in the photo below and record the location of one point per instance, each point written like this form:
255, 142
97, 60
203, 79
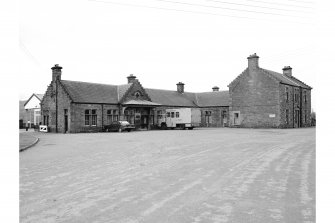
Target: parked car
119, 126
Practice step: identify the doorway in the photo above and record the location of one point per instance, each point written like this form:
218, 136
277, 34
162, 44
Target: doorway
297, 121
66, 121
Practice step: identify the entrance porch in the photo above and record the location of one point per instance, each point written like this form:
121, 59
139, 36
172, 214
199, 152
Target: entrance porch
139, 113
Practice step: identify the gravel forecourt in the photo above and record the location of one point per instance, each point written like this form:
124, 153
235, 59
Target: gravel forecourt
200, 175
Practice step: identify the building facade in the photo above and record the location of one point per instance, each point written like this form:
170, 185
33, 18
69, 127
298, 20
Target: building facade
256, 98
30, 111
264, 98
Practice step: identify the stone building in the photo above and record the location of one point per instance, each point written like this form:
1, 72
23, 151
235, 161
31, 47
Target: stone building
264, 98
256, 98
73, 106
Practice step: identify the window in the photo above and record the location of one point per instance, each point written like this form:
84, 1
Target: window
224, 114
159, 114
296, 95
168, 114
177, 114
287, 116
65, 111
115, 115
296, 116
94, 117
286, 89
305, 96
46, 119
172, 114
208, 117
87, 117
110, 116
305, 116
90, 117
137, 94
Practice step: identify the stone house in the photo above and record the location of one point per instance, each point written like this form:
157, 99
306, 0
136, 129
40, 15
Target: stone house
256, 98
264, 98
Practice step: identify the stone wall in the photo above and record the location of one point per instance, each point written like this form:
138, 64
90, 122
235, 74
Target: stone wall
48, 107
255, 101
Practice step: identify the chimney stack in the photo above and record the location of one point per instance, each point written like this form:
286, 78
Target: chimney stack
253, 61
131, 78
287, 70
180, 87
215, 88
56, 72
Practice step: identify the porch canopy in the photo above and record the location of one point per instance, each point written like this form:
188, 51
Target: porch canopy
140, 103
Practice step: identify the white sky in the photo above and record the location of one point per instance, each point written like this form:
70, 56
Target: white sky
97, 41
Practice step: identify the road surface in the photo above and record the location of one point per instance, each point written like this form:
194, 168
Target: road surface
203, 175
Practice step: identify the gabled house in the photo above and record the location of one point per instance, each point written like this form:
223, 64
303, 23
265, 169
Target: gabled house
32, 109
264, 98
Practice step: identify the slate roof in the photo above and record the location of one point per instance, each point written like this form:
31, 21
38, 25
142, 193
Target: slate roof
171, 98
84, 92
91, 92
188, 99
277, 76
286, 79
122, 89
215, 98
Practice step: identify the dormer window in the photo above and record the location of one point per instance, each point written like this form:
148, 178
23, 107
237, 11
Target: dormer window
137, 94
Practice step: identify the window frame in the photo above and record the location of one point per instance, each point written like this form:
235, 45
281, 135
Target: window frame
87, 119
287, 93
287, 116
94, 117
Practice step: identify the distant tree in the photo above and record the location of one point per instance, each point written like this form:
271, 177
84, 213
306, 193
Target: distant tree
313, 118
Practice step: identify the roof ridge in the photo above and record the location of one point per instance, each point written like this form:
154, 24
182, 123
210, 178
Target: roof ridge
282, 75
165, 90
90, 83
210, 92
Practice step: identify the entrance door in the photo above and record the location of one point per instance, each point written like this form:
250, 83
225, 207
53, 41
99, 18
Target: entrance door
66, 121
236, 118
297, 119
224, 118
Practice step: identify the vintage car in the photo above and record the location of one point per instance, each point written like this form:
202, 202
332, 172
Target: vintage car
119, 126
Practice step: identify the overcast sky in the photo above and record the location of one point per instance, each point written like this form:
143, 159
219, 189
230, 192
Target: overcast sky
202, 43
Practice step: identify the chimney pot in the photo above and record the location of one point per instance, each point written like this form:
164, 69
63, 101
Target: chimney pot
56, 72
180, 87
131, 78
253, 61
215, 88
287, 70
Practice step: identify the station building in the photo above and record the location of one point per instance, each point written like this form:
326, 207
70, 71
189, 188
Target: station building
257, 98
